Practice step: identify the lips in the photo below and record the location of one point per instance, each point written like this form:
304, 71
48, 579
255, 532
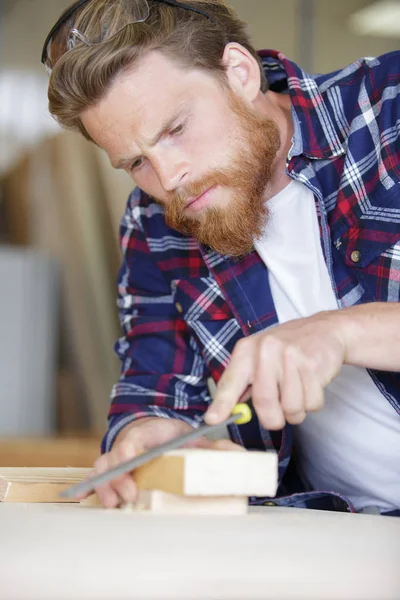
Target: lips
198, 203
193, 200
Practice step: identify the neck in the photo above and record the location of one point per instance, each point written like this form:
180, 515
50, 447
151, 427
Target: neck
280, 107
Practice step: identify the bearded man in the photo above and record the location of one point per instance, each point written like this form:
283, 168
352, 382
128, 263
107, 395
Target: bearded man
261, 246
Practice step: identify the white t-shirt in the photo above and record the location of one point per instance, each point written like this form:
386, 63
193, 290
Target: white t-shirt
352, 445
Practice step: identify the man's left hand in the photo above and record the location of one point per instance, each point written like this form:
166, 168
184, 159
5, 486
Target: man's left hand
284, 369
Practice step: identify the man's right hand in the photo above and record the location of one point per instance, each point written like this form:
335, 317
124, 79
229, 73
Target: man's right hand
136, 438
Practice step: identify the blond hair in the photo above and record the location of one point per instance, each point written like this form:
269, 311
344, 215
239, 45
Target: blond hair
82, 76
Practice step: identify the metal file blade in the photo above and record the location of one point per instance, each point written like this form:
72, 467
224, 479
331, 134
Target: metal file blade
88, 485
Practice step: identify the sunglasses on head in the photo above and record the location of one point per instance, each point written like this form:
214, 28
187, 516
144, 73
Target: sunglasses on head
66, 35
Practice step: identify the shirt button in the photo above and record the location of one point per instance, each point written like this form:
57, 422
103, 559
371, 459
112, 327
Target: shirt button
178, 307
355, 256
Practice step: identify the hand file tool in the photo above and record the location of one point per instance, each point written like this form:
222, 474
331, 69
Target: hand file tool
241, 414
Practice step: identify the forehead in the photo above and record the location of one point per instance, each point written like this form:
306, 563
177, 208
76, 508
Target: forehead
140, 99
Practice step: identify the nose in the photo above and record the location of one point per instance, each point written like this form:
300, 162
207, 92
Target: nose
171, 169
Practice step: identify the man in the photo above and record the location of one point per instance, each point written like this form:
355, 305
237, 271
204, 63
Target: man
261, 246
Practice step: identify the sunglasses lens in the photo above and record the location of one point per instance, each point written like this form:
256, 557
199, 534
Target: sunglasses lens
102, 27
84, 27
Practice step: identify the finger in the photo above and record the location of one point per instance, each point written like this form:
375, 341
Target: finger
234, 382
291, 388
124, 486
312, 390
266, 393
83, 495
246, 394
106, 494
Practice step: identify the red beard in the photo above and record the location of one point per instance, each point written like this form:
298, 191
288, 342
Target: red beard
231, 230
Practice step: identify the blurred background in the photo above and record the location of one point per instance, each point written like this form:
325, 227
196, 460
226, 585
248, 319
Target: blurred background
60, 206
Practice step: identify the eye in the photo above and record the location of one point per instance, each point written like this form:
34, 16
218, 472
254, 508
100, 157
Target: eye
177, 130
136, 164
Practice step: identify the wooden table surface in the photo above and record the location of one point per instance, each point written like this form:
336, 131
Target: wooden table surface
49, 451
68, 551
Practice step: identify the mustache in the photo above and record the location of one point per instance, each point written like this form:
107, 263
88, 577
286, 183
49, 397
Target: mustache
194, 189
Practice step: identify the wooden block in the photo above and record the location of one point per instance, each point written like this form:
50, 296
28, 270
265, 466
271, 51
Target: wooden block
198, 472
162, 503
37, 484
188, 472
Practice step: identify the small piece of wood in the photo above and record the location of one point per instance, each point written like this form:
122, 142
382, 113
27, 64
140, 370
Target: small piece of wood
199, 472
162, 503
38, 484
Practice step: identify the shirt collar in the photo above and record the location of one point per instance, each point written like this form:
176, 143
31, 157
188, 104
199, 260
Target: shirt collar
315, 134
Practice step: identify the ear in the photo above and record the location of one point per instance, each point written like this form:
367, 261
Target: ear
242, 70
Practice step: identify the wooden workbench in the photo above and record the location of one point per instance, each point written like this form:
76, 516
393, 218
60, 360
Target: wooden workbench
57, 552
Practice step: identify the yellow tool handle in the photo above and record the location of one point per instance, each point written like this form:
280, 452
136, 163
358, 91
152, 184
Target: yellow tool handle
244, 409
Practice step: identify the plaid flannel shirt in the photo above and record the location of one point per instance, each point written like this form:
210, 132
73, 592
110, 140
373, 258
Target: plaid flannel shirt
183, 307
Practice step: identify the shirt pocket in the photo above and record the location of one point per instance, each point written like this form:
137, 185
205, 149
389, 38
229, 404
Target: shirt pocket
215, 330
200, 299
372, 246
376, 234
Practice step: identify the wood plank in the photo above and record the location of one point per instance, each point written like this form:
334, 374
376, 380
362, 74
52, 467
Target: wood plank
51, 235
91, 287
16, 203
162, 503
68, 204
188, 472
32, 492
117, 186
37, 484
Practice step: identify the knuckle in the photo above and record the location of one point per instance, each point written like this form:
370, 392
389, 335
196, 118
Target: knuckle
270, 344
264, 395
241, 347
125, 450
101, 463
295, 418
292, 405
291, 352
260, 400
310, 364
272, 422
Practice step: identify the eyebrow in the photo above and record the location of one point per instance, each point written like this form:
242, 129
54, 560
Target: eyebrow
168, 123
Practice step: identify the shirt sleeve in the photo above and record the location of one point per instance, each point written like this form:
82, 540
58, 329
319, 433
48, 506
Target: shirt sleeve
162, 371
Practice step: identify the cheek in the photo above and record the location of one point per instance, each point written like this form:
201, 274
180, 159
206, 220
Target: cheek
148, 181
211, 143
